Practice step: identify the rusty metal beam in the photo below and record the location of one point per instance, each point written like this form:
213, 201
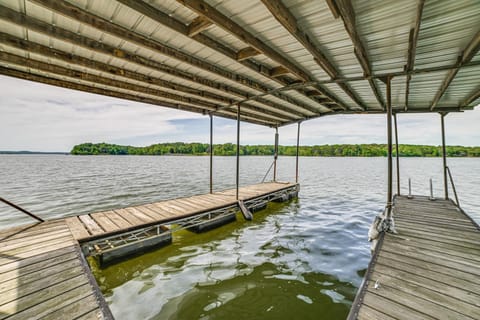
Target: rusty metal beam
289, 22
347, 13
470, 51
412, 47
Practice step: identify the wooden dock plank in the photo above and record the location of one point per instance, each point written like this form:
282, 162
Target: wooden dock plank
104, 221
129, 217
43, 273
77, 228
91, 225
430, 269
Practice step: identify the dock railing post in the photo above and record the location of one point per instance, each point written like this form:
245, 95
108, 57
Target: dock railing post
444, 156
296, 156
275, 155
238, 152
211, 153
397, 153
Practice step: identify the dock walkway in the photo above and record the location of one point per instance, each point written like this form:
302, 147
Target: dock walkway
44, 274
429, 270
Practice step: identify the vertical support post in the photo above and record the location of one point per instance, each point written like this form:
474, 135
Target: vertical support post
389, 141
397, 154
444, 155
275, 155
211, 153
296, 156
238, 151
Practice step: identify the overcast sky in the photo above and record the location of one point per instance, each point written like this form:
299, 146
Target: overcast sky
39, 117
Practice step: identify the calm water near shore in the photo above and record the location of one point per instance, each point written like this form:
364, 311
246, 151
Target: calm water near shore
298, 260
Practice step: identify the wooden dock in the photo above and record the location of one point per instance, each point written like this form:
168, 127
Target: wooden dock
43, 271
429, 270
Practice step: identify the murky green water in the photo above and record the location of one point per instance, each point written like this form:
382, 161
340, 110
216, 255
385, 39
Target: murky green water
298, 260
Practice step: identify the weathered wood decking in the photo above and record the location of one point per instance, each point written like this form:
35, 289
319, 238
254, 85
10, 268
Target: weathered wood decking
43, 273
429, 270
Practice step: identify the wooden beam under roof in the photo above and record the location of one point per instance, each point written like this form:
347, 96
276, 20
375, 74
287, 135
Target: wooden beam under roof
53, 53
346, 12
203, 8
215, 16
412, 47
241, 56
248, 117
474, 96
247, 53
89, 77
198, 25
289, 22
76, 39
470, 51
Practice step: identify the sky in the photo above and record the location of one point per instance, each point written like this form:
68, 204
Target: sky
40, 117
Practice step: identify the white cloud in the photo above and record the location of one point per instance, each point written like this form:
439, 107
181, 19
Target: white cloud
45, 118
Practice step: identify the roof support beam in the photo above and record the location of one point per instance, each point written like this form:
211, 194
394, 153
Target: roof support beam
346, 12
198, 25
474, 96
412, 47
467, 55
289, 22
76, 39
32, 47
247, 53
248, 117
242, 56
215, 16
74, 74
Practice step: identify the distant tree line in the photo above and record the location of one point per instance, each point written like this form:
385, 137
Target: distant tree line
229, 149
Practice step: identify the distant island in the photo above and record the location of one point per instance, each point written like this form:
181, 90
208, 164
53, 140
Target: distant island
229, 149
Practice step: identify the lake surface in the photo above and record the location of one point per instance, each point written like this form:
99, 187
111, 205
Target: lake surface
299, 260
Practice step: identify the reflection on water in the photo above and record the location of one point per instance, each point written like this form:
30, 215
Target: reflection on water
298, 260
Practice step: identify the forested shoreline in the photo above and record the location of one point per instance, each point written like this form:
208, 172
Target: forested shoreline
229, 149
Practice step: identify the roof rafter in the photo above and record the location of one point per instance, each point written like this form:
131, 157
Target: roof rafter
289, 22
231, 114
344, 9
87, 18
62, 71
212, 14
412, 47
203, 8
465, 57
474, 96
241, 56
45, 51
198, 25
76, 39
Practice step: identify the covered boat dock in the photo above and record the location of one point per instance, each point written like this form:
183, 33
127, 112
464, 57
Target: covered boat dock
271, 63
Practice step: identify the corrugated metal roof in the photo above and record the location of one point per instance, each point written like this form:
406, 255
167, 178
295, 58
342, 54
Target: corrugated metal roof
144, 50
